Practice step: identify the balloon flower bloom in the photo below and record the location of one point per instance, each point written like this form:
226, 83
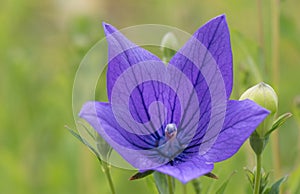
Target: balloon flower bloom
173, 118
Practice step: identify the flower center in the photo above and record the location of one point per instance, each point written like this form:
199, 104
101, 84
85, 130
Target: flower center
170, 131
168, 146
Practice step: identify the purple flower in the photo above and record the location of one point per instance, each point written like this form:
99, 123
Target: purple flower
177, 118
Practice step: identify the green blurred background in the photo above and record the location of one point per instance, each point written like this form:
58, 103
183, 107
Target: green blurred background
42, 44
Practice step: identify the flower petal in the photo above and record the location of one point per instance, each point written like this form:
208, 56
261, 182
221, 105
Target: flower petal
206, 59
100, 116
241, 120
210, 41
122, 54
138, 78
185, 171
139, 150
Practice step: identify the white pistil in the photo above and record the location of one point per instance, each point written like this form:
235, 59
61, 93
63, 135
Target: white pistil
170, 131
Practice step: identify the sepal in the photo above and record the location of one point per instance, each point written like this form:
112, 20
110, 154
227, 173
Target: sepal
275, 188
258, 143
279, 121
140, 175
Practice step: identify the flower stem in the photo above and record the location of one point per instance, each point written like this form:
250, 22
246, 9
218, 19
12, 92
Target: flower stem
170, 184
261, 36
258, 174
184, 189
275, 41
106, 170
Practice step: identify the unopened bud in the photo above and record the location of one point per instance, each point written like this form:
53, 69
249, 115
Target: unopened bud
169, 46
265, 96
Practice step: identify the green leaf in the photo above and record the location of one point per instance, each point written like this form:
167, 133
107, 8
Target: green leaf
140, 175
251, 176
94, 141
267, 191
87, 130
161, 182
222, 188
264, 181
279, 122
275, 187
77, 136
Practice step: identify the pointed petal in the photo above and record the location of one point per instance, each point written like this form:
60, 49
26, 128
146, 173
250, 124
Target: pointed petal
138, 78
206, 60
133, 148
187, 170
122, 54
241, 120
100, 116
209, 45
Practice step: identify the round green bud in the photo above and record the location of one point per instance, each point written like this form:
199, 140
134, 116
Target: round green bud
169, 46
265, 96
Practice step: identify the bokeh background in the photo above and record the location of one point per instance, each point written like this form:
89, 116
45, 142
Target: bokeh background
42, 44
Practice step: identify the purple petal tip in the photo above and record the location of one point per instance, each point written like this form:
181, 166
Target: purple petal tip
219, 18
108, 29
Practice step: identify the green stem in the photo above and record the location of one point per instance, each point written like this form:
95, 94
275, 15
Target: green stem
106, 170
184, 189
258, 174
261, 36
275, 42
170, 184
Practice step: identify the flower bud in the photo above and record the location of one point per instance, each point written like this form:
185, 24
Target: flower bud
265, 96
169, 46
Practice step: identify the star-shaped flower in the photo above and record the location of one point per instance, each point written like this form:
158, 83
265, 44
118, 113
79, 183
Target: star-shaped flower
177, 118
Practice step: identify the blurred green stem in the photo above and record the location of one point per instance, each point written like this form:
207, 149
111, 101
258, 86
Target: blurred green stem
184, 189
258, 174
275, 42
275, 14
170, 184
106, 170
261, 36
